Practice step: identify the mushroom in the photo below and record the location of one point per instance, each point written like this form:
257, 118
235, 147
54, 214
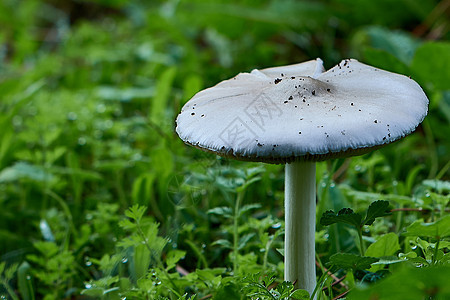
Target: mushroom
298, 115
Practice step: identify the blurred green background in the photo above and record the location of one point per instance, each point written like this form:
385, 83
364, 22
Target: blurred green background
89, 91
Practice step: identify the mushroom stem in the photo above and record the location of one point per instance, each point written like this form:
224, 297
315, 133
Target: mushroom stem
300, 220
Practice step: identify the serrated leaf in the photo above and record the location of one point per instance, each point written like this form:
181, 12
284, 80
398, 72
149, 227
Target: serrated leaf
352, 261
345, 215
136, 212
377, 209
127, 224
439, 229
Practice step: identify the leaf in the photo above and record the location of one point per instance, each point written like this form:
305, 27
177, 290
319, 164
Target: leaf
162, 95
408, 283
225, 211
23, 170
439, 229
352, 261
244, 240
437, 185
345, 215
248, 207
136, 212
24, 281
173, 257
223, 243
431, 63
386, 245
376, 209
299, 294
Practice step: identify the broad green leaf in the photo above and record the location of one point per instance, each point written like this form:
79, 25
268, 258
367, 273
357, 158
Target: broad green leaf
300, 295
431, 64
384, 60
386, 245
345, 215
439, 229
408, 283
377, 209
400, 44
352, 261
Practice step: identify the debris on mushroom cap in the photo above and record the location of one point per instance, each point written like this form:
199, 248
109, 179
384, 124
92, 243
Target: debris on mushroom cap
300, 112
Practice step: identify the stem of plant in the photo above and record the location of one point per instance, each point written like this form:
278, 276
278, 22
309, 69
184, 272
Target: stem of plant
237, 205
362, 249
300, 220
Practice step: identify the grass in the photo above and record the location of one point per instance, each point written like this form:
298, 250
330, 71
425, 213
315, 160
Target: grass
101, 200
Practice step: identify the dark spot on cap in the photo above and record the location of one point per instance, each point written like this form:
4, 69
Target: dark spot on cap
359, 110
376, 121
299, 132
295, 106
290, 98
286, 101
384, 138
278, 80
192, 114
313, 92
282, 74
328, 90
259, 145
352, 104
389, 135
202, 116
292, 77
343, 132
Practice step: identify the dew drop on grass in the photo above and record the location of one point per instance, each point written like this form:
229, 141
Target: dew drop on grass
427, 195
28, 277
3, 297
174, 245
203, 246
88, 285
332, 185
395, 183
357, 168
124, 260
414, 247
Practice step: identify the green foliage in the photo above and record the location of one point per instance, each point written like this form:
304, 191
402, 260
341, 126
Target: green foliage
264, 288
101, 200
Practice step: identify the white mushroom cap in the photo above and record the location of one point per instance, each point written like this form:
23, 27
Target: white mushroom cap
299, 112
